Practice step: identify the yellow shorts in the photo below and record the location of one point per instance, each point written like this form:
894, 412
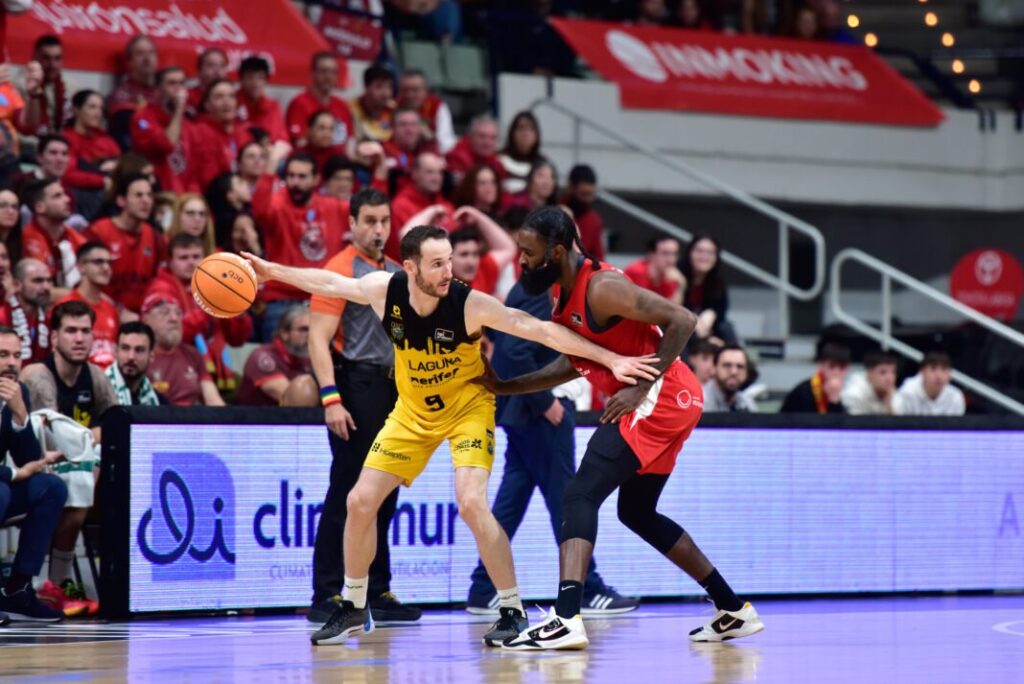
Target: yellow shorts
404, 445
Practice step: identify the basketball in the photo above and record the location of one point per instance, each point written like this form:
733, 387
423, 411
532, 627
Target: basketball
224, 285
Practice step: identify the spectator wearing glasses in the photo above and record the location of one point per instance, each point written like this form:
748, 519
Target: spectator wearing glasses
723, 391
178, 371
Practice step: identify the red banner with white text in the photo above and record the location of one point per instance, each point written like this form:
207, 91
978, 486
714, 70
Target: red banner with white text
661, 68
354, 35
94, 33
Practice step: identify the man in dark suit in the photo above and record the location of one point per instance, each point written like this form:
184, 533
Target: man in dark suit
25, 491
541, 453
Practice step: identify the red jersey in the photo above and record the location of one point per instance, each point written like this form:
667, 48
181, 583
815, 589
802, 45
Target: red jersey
34, 333
639, 274
306, 104
264, 113
37, 244
304, 236
95, 147
407, 204
104, 330
461, 159
214, 148
170, 160
320, 155
269, 362
657, 428
178, 375
487, 275
135, 256
131, 95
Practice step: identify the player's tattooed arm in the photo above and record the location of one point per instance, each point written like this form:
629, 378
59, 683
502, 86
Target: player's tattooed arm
42, 387
554, 374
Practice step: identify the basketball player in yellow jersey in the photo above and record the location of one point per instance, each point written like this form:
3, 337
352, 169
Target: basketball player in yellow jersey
435, 323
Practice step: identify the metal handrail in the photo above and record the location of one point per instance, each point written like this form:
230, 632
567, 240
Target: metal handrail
785, 221
884, 335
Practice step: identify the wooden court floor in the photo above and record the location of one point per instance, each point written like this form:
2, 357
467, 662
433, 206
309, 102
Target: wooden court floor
904, 640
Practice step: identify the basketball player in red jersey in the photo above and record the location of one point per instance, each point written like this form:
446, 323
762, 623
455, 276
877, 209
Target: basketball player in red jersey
643, 425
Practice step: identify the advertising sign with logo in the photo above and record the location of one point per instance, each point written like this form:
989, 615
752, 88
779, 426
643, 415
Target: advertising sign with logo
354, 35
989, 280
662, 68
228, 520
95, 32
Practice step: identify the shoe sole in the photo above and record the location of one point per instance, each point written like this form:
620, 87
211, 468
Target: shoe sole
17, 617
744, 631
577, 645
345, 635
597, 612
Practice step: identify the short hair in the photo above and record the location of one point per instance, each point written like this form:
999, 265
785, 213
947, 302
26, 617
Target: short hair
316, 115
465, 235
705, 346
79, 99
937, 359
336, 163
731, 347
8, 330
414, 73
209, 90
300, 157
367, 197
163, 73
253, 65
46, 40
377, 72
124, 183
207, 52
833, 352
482, 119
135, 40
413, 241
319, 56
35, 191
137, 328
70, 309
287, 319
405, 110
873, 359
183, 240
652, 244
47, 140
582, 173
88, 248
23, 265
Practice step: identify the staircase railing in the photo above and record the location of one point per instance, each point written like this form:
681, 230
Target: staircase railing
884, 335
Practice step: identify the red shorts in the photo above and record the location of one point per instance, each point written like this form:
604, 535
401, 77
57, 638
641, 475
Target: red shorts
658, 427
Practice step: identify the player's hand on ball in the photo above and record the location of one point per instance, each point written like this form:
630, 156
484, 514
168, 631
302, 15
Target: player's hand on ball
261, 267
624, 401
629, 369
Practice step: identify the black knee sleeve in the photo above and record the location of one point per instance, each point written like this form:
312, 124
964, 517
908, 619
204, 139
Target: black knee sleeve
579, 511
654, 528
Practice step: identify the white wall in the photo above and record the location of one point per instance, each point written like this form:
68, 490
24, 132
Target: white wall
954, 165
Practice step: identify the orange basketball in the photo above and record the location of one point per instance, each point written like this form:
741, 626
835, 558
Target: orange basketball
224, 285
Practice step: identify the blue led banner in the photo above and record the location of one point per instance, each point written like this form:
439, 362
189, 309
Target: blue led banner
227, 519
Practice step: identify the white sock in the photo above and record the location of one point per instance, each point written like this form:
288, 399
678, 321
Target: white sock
509, 598
60, 565
355, 590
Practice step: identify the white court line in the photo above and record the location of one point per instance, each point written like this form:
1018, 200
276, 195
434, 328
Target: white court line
1005, 628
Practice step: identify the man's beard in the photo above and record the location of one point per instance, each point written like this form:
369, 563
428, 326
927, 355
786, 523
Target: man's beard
299, 196
537, 281
427, 289
71, 361
9, 373
299, 350
130, 373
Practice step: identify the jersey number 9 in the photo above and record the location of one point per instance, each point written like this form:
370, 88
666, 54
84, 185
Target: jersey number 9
434, 402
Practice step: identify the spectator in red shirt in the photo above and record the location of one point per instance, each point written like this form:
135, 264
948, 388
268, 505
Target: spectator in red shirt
192, 217
255, 109
47, 105
300, 228
479, 146
26, 308
480, 189
88, 140
541, 189
207, 334
160, 132
138, 88
272, 367
217, 137
323, 78
94, 264
48, 238
657, 271
371, 111
580, 200
405, 145
245, 237
521, 151
136, 248
423, 192
253, 163
434, 114
339, 178
178, 371
211, 65
10, 224
53, 153
319, 134
481, 249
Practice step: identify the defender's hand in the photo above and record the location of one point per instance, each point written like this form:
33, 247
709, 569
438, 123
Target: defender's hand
624, 401
629, 369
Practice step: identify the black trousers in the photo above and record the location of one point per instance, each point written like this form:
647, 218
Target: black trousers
369, 396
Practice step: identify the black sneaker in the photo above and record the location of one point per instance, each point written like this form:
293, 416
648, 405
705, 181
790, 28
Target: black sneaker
346, 621
387, 609
321, 611
604, 600
4, 619
24, 606
509, 625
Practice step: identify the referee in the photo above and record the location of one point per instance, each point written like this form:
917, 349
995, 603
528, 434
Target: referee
353, 358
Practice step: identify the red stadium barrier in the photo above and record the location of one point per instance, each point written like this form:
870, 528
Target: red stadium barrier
659, 68
94, 33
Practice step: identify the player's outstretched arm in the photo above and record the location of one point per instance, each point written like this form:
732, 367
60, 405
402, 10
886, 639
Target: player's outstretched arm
552, 375
483, 310
369, 289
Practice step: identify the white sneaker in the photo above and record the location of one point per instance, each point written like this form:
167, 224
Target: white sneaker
726, 625
554, 633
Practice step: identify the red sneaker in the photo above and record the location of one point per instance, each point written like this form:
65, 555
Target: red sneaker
55, 597
76, 593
